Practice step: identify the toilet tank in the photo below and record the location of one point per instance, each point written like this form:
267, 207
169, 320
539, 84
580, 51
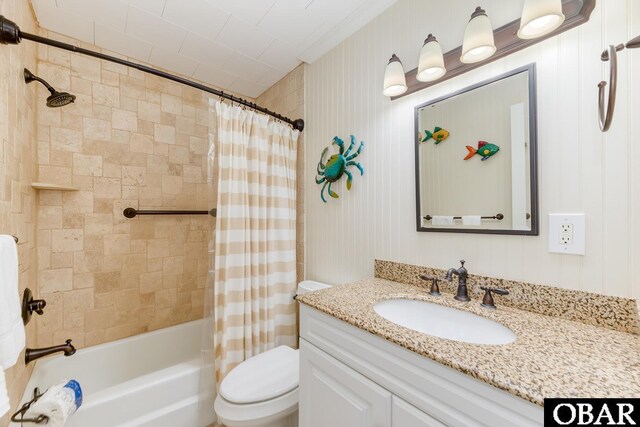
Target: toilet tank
309, 286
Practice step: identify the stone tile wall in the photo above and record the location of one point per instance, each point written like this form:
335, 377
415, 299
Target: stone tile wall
18, 168
130, 140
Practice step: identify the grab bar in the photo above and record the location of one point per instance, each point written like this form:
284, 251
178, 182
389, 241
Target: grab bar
605, 116
133, 212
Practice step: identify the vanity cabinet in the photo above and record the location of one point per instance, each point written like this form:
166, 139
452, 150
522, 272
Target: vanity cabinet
351, 378
332, 394
335, 395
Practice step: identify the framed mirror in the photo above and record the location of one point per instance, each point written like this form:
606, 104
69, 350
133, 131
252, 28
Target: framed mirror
476, 158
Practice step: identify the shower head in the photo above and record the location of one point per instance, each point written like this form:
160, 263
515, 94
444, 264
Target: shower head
60, 99
56, 99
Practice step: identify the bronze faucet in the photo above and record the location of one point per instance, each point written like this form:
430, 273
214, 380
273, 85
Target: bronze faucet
462, 294
32, 354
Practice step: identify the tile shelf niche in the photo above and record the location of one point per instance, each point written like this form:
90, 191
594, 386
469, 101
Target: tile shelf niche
576, 13
52, 187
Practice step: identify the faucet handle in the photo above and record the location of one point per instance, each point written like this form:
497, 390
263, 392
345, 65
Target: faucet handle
435, 289
487, 301
462, 262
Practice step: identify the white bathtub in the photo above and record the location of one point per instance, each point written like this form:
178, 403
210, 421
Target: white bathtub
151, 379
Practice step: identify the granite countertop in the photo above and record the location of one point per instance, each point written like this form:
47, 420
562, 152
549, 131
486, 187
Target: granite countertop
551, 357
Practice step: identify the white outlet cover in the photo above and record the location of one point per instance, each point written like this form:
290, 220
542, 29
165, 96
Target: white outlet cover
578, 220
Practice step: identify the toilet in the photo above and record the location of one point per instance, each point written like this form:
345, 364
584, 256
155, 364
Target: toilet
263, 390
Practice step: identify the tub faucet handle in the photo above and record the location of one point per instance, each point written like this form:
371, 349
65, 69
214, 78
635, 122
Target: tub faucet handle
31, 305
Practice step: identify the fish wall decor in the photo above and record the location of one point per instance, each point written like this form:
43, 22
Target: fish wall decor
484, 150
438, 135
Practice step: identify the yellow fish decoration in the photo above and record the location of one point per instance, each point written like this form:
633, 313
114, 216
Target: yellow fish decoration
438, 135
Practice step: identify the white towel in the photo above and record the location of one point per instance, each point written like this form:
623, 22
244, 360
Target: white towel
4, 397
471, 220
442, 220
12, 337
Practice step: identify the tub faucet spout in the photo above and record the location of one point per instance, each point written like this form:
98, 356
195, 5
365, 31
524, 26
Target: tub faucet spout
32, 354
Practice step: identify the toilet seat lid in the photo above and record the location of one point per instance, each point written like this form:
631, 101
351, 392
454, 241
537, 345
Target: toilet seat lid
262, 377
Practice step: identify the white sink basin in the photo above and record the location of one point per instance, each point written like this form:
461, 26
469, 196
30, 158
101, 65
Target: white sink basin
444, 322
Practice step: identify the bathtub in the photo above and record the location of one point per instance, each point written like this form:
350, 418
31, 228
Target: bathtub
153, 379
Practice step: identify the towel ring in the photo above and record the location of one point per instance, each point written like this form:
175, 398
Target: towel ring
611, 54
605, 116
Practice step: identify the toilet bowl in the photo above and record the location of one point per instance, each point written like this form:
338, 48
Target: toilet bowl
263, 391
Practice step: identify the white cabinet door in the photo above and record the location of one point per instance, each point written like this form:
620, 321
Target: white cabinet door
407, 415
332, 394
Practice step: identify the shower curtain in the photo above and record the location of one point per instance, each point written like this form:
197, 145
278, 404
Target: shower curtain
255, 244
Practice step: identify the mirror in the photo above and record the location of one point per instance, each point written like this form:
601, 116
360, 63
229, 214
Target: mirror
476, 158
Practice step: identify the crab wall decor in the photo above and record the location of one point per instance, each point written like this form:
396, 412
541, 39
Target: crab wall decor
332, 170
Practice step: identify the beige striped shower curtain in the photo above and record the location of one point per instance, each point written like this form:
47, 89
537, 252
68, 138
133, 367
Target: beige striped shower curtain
255, 248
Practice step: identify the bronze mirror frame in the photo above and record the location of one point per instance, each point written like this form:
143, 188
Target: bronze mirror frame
576, 13
534, 218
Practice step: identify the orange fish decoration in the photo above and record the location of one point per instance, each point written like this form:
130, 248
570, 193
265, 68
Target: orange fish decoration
485, 150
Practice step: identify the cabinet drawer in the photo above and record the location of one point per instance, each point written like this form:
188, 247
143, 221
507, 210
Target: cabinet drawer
404, 414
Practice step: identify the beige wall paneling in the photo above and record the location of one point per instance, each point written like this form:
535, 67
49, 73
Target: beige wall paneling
580, 169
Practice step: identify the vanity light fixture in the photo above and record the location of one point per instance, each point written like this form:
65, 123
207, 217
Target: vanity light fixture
540, 17
431, 61
478, 43
394, 81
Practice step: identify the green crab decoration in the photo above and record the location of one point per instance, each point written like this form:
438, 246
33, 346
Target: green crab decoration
336, 166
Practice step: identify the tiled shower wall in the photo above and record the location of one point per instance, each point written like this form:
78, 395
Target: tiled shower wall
18, 168
287, 98
130, 139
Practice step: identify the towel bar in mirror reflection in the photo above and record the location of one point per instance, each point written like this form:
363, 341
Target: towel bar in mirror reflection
499, 217
476, 151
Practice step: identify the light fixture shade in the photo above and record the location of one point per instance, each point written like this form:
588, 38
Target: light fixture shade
540, 17
394, 81
478, 41
431, 62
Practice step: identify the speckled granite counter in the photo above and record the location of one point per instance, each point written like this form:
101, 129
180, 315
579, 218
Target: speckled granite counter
552, 357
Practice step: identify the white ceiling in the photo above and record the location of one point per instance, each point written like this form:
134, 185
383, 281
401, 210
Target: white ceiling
240, 45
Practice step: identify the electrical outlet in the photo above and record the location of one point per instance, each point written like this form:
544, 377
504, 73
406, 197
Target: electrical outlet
566, 239
566, 227
567, 233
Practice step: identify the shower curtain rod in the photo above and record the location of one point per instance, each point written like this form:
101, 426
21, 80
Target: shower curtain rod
10, 33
